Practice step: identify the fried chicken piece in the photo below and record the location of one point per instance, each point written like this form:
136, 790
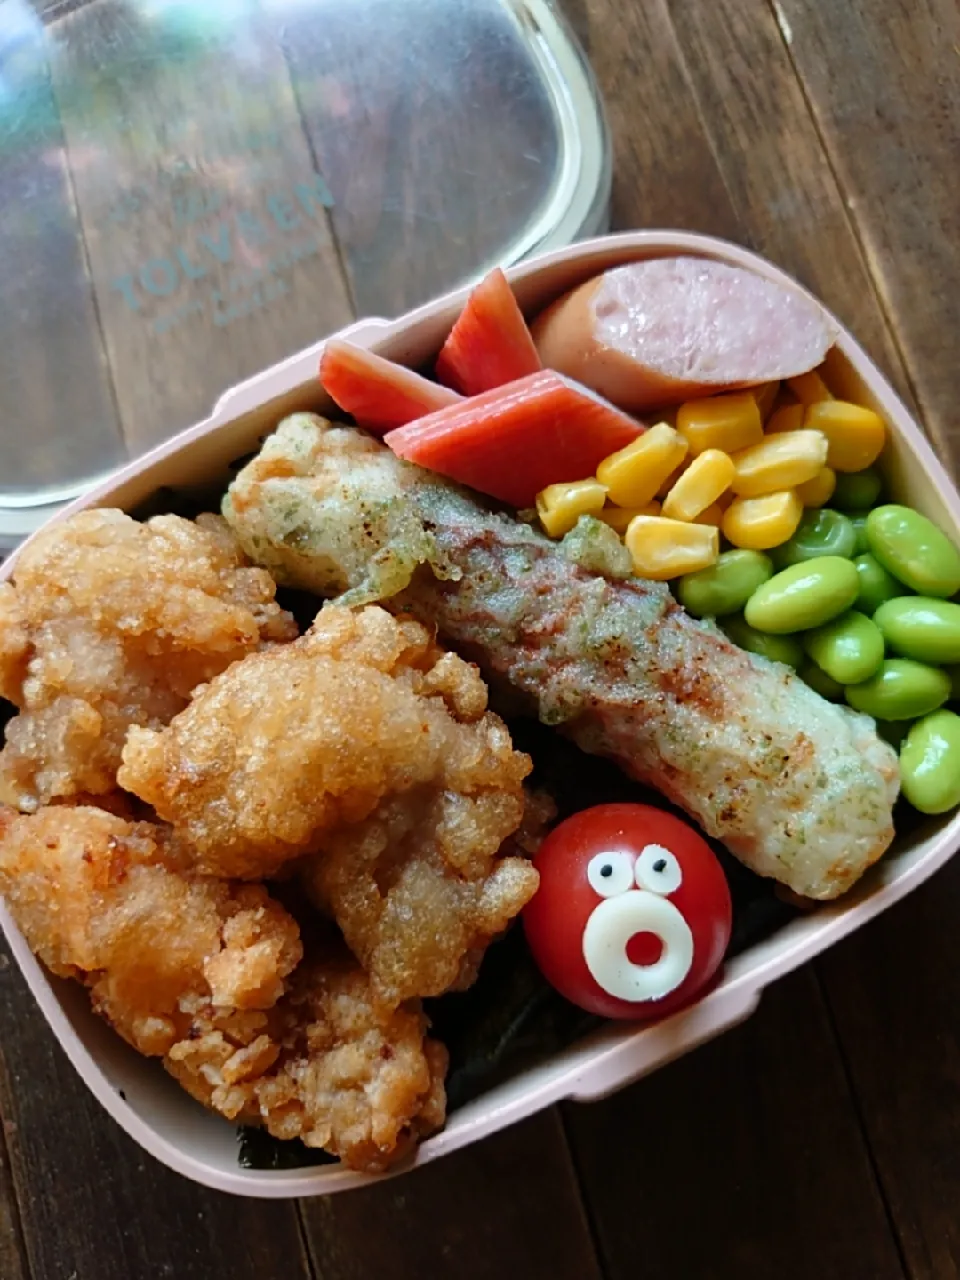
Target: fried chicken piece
365, 745
419, 890
328, 1065
198, 972
110, 623
99, 899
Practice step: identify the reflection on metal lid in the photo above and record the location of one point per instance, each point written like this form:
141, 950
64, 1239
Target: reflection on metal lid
191, 191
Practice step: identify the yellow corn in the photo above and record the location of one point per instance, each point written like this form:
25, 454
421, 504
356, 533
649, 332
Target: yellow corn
728, 422
665, 549
633, 476
855, 435
560, 506
788, 417
713, 515
779, 462
618, 518
700, 485
761, 523
818, 491
765, 395
809, 388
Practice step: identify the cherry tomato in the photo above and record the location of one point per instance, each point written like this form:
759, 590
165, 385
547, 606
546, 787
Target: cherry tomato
633, 913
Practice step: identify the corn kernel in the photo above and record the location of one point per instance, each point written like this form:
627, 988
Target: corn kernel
780, 462
818, 491
560, 506
765, 395
618, 518
728, 422
809, 388
700, 485
634, 474
758, 524
665, 549
713, 515
855, 435
788, 417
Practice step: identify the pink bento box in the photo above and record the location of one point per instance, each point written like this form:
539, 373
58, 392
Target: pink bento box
138, 1093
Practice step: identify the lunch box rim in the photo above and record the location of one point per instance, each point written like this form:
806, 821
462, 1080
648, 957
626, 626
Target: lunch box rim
618, 1055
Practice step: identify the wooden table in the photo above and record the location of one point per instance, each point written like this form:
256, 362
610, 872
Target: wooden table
820, 1140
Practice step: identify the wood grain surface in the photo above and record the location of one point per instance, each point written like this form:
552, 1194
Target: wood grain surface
821, 1139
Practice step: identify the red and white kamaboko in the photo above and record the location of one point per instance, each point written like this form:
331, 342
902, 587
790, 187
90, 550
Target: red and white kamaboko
633, 914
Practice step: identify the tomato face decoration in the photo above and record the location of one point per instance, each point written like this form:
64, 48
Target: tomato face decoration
633, 913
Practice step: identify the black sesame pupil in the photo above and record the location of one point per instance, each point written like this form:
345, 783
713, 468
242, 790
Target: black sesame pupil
606, 869
660, 864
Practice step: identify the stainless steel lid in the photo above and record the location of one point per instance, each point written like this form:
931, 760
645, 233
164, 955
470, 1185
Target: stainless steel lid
191, 190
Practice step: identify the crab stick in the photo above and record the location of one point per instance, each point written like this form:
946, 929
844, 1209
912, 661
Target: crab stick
379, 394
490, 345
512, 442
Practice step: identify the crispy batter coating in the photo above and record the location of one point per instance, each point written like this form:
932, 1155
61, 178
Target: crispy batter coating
366, 746
99, 899
110, 623
419, 890
199, 972
328, 1065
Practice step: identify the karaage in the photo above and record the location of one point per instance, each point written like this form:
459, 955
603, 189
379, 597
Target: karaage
203, 973
110, 623
368, 748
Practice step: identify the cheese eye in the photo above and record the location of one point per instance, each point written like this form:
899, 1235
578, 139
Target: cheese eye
610, 873
658, 870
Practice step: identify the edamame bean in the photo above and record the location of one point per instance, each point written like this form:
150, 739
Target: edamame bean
930, 763
822, 532
726, 586
921, 627
857, 490
777, 648
820, 682
876, 585
954, 674
913, 549
859, 523
849, 649
804, 596
901, 690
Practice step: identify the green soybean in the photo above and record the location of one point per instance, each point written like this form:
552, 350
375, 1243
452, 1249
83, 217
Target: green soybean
954, 674
804, 596
849, 649
820, 682
857, 490
859, 523
930, 763
901, 690
726, 586
777, 648
913, 549
820, 533
876, 585
921, 627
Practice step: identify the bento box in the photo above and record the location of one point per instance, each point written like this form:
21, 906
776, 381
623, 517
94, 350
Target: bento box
201, 1146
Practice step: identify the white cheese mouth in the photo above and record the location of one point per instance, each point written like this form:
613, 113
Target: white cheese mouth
609, 929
